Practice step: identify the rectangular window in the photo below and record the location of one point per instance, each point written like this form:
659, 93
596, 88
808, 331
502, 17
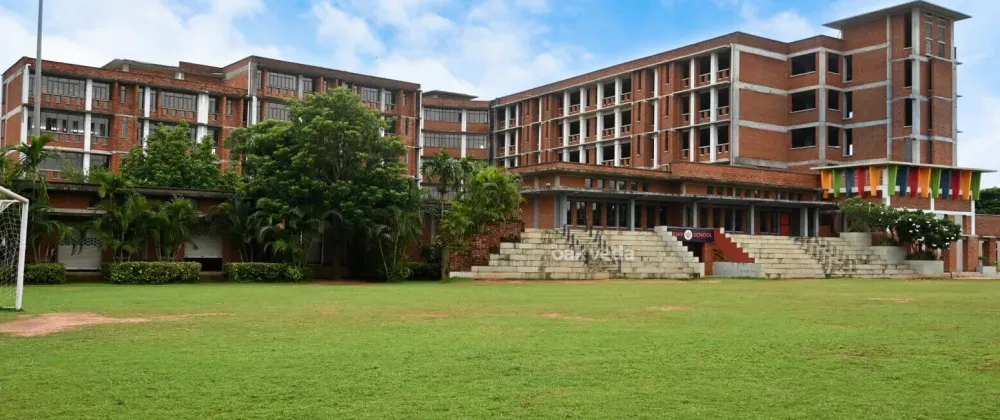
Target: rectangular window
833, 100
124, 128
229, 106
477, 117
928, 33
278, 111
192, 131
848, 142
59, 86
100, 127
804, 101
804, 137
833, 62
101, 91
122, 91
942, 36
848, 68
441, 114
213, 105
445, 140
588, 182
60, 123
476, 141
179, 101
256, 80
100, 162
907, 31
369, 95
908, 112
307, 85
907, 73
848, 105
282, 81
832, 136
390, 97
803, 64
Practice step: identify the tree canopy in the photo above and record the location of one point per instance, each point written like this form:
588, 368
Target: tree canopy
172, 159
989, 201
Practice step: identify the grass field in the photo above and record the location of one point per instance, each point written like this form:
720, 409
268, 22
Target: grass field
736, 348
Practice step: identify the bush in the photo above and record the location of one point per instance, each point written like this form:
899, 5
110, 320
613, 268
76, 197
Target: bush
45, 273
153, 272
260, 272
424, 271
922, 256
924, 231
864, 216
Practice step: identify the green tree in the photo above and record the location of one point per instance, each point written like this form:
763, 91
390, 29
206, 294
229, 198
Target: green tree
395, 228
234, 217
41, 226
331, 163
173, 222
989, 201
172, 159
126, 219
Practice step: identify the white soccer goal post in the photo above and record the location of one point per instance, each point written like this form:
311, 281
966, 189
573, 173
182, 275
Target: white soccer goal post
13, 241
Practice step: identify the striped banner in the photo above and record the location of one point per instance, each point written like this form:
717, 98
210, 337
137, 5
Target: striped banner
862, 178
966, 185
902, 178
838, 179
956, 184
935, 188
925, 182
893, 179
875, 176
946, 183
976, 179
849, 175
914, 181
826, 181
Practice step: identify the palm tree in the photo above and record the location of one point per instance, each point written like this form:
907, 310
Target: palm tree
40, 227
234, 216
449, 173
32, 155
173, 222
395, 228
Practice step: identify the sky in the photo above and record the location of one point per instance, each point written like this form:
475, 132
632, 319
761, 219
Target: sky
487, 48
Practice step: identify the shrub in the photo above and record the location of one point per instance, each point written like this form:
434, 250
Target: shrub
261, 272
864, 216
424, 271
45, 273
925, 232
153, 272
922, 256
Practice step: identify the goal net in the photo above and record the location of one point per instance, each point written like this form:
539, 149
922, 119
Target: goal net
13, 232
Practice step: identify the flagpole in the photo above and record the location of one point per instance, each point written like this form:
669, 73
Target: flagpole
38, 74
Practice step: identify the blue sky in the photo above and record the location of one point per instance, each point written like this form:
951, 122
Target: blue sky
487, 48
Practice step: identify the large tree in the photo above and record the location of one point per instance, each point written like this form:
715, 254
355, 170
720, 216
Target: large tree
989, 201
172, 159
330, 163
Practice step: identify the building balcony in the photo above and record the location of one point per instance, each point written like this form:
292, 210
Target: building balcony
626, 129
390, 107
609, 162
609, 101
626, 162
559, 111
704, 115
574, 139
704, 79
686, 118
723, 112
512, 123
627, 97
608, 132
722, 75
98, 104
510, 150
685, 154
685, 83
574, 109
704, 151
100, 140
501, 125
722, 149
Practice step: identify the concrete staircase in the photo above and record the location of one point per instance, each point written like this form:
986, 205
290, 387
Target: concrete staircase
549, 254
785, 257
842, 257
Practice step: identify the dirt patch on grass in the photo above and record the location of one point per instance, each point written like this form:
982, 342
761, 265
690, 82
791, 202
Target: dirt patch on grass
673, 308
345, 283
897, 300
492, 282
328, 310
853, 355
51, 323
428, 315
556, 315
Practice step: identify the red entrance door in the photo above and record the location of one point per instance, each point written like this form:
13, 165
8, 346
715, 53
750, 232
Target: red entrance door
785, 224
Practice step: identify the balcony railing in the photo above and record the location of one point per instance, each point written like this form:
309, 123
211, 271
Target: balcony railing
510, 151
100, 140
609, 162
723, 75
213, 117
686, 118
704, 78
512, 122
501, 125
390, 107
722, 148
685, 82
626, 162
627, 96
704, 150
609, 101
608, 132
371, 105
574, 139
685, 154
723, 111
626, 130
704, 114
100, 104
559, 110
573, 109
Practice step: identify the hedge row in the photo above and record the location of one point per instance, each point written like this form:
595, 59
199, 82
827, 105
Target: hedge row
152, 272
258, 272
45, 273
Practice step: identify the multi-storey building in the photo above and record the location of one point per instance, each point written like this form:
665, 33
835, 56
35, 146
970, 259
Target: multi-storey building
453, 123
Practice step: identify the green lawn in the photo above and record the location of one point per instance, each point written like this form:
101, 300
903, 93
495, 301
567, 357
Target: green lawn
737, 348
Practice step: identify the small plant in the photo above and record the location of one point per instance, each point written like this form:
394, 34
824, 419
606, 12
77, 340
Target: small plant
987, 262
922, 256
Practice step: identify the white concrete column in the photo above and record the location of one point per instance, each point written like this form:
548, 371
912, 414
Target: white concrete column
618, 152
565, 139
694, 214
583, 129
381, 96
714, 68
618, 90
656, 82
200, 132
517, 114
618, 122
713, 142
631, 214
753, 217
465, 140
583, 99
600, 95
692, 74
600, 126
565, 104
713, 103
301, 90
517, 147
804, 222
692, 110
87, 121
691, 146
583, 155
656, 150
599, 152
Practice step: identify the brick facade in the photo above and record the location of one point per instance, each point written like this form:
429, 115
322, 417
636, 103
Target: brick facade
478, 245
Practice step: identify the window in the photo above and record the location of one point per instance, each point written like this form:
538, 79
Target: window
406, 126
307, 85
278, 111
447, 140
803, 101
942, 36
369, 95
229, 106
803, 64
101, 91
833, 62
213, 105
152, 99
57, 122
100, 127
282, 81
908, 112
832, 136
848, 105
476, 141
256, 80
439, 114
588, 182
124, 128
833, 100
848, 142
928, 33
848, 68
122, 90
478, 117
723, 135
102, 162
907, 73
59, 86
179, 101
214, 134
804, 137
908, 31
390, 97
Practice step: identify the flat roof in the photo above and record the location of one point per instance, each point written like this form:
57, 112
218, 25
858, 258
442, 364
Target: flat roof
447, 94
892, 162
920, 4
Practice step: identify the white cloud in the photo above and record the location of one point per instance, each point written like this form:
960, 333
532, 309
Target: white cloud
787, 25
350, 36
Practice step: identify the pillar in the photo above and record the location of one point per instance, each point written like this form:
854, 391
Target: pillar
990, 250
970, 253
804, 222
815, 223
753, 220
694, 214
631, 214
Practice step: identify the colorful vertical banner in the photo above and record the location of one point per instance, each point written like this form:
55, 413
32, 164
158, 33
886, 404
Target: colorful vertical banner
838, 180
826, 181
935, 187
976, 179
946, 183
849, 180
914, 181
893, 179
861, 180
966, 185
875, 176
925, 182
956, 184
902, 178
